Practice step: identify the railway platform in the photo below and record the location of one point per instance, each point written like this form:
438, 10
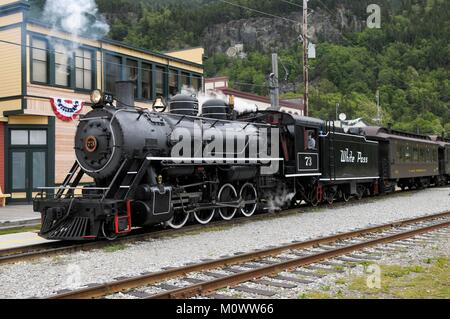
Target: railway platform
20, 240
18, 216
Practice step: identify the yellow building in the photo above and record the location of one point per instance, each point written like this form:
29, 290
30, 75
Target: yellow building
38, 63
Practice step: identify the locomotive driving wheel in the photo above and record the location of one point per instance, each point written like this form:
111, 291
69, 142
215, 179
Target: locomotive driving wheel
250, 197
346, 196
179, 219
227, 195
204, 216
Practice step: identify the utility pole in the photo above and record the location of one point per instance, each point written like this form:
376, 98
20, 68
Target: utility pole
274, 83
379, 115
305, 55
337, 109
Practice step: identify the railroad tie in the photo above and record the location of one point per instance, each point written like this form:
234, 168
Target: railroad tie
293, 279
213, 274
251, 266
165, 286
364, 257
274, 284
138, 294
267, 262
307, 273
233, 270
253, 291
219, 296
193, 280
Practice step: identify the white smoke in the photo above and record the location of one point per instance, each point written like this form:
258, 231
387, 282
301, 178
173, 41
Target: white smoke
279, 199
240, 105
77, 17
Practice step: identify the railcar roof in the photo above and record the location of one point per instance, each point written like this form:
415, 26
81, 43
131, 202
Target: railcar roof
383, 133
444, 142
287, 119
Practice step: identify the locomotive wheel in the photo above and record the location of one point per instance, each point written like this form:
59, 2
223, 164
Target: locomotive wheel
360, 192
249, 194
227, 194
107, 232
313, 200
330, 199
178, 220
204, 216
346, 197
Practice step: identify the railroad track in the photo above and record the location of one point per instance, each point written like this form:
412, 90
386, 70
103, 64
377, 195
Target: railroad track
206, 278
50, 249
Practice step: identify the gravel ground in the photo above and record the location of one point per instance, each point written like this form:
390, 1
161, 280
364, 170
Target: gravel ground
335, 284
47, 276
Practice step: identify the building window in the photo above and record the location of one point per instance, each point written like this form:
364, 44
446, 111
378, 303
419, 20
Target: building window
83, 69
28, 137
173, 82
196, 83
132, 74
146, 81
62, 67
39, 60
185, 80
113, 69
160, 81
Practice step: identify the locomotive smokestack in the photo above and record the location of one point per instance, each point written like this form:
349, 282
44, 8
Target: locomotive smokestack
125, 93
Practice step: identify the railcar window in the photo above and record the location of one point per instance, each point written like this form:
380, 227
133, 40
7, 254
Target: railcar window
415, 154
422, 155
40, 61
407, 154
83, 69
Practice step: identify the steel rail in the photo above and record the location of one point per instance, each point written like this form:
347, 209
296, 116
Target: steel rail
235, 279
152, 278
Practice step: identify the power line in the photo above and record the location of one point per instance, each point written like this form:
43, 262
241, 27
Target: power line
260, 12
292, 3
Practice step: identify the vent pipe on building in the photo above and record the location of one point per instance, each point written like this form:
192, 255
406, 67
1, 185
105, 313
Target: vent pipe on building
125, 93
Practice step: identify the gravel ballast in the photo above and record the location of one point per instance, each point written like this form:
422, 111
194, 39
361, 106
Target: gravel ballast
44, 277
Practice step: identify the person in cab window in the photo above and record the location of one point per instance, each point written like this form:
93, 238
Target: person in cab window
311, 141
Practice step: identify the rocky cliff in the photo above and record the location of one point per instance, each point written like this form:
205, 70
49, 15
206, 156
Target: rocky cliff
271, 34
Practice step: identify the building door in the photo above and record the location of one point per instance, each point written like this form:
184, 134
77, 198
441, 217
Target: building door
28, 164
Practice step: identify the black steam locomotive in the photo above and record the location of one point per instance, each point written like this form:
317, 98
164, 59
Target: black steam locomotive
152, 167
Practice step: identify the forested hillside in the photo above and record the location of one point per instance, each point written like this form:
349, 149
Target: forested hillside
407, 60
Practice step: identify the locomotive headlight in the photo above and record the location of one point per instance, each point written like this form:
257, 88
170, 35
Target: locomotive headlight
96, 97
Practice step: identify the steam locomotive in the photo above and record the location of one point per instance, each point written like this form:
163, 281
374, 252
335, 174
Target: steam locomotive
154, 167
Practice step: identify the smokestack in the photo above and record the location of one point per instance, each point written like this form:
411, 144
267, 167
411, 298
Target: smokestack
125, 93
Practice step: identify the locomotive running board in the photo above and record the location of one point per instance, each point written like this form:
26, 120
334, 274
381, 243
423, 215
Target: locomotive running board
214, 159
